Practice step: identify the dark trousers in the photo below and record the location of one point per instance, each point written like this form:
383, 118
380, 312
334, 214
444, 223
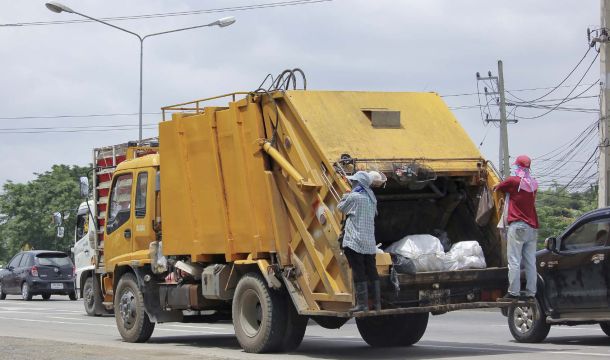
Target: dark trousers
363, 265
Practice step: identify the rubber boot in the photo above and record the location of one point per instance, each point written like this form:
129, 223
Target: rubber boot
376, 295
362, 297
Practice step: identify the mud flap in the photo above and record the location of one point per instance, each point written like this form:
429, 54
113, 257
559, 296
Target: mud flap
152, 303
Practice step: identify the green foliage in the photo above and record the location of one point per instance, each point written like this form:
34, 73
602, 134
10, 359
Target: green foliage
26, 210
558, 208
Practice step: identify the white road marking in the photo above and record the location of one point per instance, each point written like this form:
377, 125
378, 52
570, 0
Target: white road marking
198, 327
64, 318
107, 325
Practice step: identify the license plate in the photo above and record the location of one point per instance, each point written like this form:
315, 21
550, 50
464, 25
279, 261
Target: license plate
57, 286
434, 297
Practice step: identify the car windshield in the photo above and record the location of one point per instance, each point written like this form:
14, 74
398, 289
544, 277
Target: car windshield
53, 260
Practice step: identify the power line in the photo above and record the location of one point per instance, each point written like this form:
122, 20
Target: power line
173, 14
562, 81
75, 131
74, 116
517, 90
568, 96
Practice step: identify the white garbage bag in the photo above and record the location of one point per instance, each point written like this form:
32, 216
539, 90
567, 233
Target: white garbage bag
425, 250
465, 255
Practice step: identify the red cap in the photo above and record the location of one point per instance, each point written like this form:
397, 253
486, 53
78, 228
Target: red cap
523, 161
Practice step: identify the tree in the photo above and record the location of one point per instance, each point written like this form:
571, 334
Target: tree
26, 210
558, 208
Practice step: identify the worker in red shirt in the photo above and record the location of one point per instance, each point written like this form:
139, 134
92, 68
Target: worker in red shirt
522, 228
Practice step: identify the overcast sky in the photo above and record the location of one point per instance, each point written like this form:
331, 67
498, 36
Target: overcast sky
381, 45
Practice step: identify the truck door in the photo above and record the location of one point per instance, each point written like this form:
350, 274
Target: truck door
118, 233
577, 277
143, 217
82, 251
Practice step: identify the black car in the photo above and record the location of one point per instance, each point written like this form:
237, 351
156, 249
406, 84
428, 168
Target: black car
38, 272
573, 281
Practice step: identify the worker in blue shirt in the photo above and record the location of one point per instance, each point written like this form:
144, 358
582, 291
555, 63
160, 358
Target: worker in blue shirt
360, 247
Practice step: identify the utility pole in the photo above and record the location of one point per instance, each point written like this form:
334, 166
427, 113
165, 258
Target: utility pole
504, 161
503, 124
604, 121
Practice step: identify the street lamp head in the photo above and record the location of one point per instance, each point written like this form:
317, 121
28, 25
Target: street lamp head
225, 21
56, 7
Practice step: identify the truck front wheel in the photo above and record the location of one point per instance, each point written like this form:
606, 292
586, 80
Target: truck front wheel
91, 300
392, 330
527, 324
131, 318
259, 315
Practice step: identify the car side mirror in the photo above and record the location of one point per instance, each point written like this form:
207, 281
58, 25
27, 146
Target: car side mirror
84, 187
10, 268
551, 244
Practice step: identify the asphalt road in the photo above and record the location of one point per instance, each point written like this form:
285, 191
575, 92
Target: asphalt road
59, 329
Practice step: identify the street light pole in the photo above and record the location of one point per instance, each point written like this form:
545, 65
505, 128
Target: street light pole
58, 8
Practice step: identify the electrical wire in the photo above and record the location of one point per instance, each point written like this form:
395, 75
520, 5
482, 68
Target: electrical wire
173, 14
562, 81
567, 97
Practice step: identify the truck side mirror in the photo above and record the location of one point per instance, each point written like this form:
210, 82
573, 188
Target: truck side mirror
551, 244
84, 187
57, 219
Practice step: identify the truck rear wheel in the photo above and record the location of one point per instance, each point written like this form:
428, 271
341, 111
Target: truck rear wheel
295, 327
392, 330
527, 324
259, 315
131, 318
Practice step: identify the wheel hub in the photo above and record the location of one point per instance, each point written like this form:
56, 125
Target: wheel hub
524, 319
251, 314
127, 309
89, 297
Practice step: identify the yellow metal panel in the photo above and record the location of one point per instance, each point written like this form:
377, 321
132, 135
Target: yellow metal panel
428, 128
194, 215
244, 179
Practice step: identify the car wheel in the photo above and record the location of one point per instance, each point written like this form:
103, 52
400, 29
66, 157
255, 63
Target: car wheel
72, 295
527, 323
25, 292
605, 327
131, 318
2, 293
46, 296
259, 316
392, 330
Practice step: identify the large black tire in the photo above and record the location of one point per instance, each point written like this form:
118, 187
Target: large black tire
330, 322
528, 324
26, 294
259, 315
295, 328
392, 330
2, 293
46, 296
131, 318
605, 327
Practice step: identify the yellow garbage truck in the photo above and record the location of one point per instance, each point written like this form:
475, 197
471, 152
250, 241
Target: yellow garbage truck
232, 215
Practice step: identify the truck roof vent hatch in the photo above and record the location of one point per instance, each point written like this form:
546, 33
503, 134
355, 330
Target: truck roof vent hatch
382, 118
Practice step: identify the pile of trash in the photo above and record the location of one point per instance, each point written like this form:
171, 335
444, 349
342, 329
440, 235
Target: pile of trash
424, 252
